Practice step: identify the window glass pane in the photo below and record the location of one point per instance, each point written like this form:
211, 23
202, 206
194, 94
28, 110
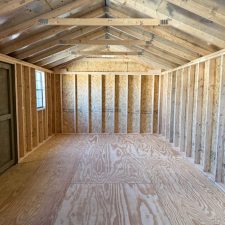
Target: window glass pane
40, 89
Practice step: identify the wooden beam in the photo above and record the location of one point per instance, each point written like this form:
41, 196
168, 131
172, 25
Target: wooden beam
221, 121
183, 104
176, 133
61, 51
120, 73
78, 5
157, 42
15, 45
197, 116
209, 82
179, 20
167, 34
49, 44
152, 49
102, 22
104, 42
189, 111
11, 60
150, 52
102, 53
204, 10
12, 5
200, 60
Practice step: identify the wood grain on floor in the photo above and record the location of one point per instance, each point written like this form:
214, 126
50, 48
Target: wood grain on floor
105, 179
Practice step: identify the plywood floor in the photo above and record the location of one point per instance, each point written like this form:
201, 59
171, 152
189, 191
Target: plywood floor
108, 180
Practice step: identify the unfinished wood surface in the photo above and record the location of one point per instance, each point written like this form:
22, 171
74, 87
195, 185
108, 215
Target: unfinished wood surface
50, 105
108, 103
20, 111
28, 108
95, 117
34, 110
155, 104
108, 179
220, 161
58, 111
147, 104
164, 101
176, 137
183, 100
160, 105
121, 101
189, 111
82, 103
102, 22
209, 87
133, 121
168, 105
68, 100
197, 114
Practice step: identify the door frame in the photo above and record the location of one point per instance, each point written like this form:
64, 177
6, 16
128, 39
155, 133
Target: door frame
13, 124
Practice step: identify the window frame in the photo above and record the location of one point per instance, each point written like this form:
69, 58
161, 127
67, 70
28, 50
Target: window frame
41, 89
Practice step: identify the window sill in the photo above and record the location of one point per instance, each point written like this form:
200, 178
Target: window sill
40, 109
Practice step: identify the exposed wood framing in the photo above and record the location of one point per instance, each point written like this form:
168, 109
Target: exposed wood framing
102, 22
160, 10
203, 9
53, 13
13, 5
102, 53
104, 42
99, 73
201, 112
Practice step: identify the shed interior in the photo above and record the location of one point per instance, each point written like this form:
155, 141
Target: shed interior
112, 112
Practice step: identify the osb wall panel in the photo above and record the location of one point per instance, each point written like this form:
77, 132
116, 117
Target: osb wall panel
106, 66
108, 104
121, 96
200, 110
147, 104
68, 103
134, 84
33, 125
82, 104
95, 118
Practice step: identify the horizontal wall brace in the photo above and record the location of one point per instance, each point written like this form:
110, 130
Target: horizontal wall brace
151, 72
103, 22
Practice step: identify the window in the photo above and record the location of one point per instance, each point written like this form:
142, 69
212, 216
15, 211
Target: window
40, 89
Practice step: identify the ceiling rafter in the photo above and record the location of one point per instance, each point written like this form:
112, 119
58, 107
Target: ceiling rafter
165, 63
202, 9
150, 48
66, 51
78, 5
71, 57
193, 26
12, 5
163, 33
160, 43
15, 45
54, 42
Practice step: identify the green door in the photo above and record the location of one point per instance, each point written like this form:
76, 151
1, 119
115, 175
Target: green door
7, 118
